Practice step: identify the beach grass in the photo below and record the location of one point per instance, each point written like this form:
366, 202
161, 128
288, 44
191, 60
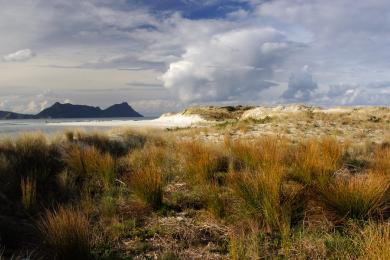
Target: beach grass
89, 195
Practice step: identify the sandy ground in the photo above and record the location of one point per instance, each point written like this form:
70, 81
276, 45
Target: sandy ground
176, 120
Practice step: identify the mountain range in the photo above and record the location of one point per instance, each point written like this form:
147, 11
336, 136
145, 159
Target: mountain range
67, 110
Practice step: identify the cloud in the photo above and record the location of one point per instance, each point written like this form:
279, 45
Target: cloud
21, 55
373, 93
300, 86
230, 65
209, 51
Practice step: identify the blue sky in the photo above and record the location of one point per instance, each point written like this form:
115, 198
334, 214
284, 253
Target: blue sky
165, 55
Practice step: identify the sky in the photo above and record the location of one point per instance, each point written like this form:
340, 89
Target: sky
165, 55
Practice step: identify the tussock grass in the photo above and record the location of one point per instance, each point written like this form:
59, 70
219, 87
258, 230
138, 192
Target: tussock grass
268, 197
118, 145
147, 184
28, 187
29, 156
314, 161
376, 241
245, 243
90, 168
261, 195
381, 160
360, 196
264, 153
203, 164
66, 233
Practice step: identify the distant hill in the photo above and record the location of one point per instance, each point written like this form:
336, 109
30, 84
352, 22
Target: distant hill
59, 110
12, 115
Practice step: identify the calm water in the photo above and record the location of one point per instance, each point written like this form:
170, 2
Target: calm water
14, 127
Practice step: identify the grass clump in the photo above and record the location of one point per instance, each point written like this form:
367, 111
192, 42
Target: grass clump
376, 241
315, 161
90, 169
261, 196
28, 187
381, 160
203, 164
360, 196
130, 195
263, 153
147, 184
66, 233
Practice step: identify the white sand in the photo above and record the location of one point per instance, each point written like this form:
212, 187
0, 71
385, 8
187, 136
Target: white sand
171, 120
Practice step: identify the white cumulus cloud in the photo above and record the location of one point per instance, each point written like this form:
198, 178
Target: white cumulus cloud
21, 55
231, 65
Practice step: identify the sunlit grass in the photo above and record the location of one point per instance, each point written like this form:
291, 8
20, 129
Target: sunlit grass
148, 185
358, 196
314, 161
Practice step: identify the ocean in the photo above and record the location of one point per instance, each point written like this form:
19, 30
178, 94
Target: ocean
52, 126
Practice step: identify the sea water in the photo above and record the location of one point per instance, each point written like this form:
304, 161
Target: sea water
50, 126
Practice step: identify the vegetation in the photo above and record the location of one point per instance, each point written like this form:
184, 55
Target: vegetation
97, 196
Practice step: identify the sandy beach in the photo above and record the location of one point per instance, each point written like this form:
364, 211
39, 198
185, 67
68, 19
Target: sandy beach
164, 121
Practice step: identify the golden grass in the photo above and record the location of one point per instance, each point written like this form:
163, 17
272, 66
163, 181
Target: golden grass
360, 196
314, 161
28, 187
203, 164
260, 194
66, 233
381, 160
376, 241
147, 184
93, 167
263, 153
245, 243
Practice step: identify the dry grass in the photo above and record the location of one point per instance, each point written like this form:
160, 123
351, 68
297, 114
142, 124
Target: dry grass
93, 170
314, 161
262, 153
171, 195
381, 160
66, 233
359, 196
147, 184
376, 241
204, 164
261, 195
28, 187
